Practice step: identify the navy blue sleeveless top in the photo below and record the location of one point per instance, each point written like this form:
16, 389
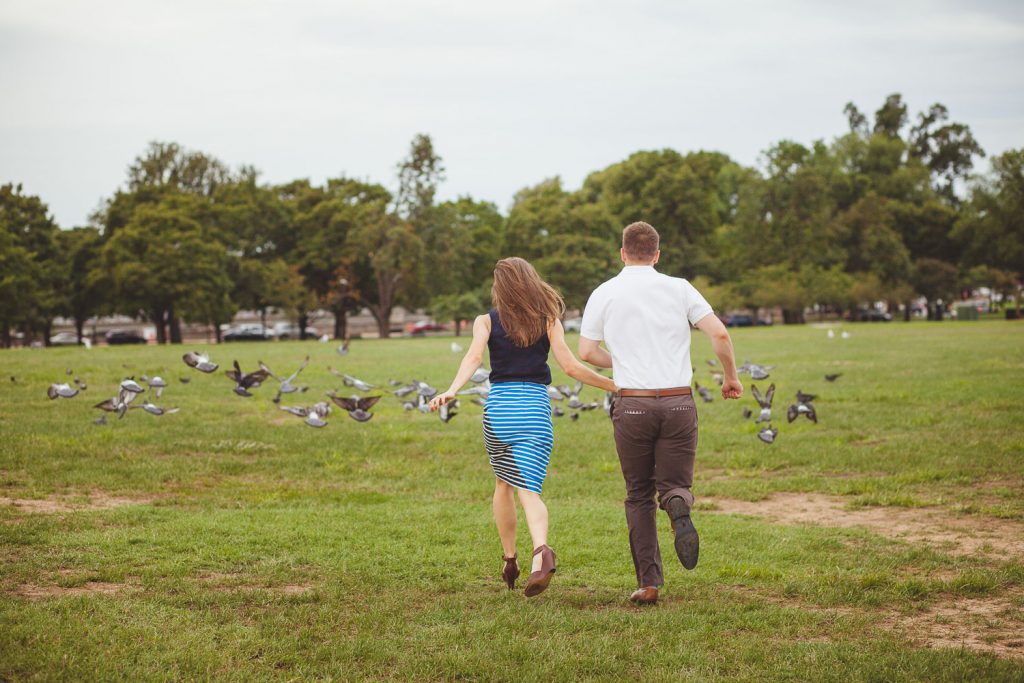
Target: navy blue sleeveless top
511, 363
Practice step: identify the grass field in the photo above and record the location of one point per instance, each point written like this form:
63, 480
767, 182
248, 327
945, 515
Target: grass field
231, 541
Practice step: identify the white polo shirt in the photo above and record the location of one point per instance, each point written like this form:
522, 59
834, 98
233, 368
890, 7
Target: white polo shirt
644, 318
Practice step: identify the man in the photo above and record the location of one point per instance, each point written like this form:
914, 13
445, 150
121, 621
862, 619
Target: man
644, 318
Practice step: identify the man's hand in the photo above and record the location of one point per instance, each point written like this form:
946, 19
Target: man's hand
441, 399
732, 388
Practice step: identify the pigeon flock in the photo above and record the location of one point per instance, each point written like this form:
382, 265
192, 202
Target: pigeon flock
413, 395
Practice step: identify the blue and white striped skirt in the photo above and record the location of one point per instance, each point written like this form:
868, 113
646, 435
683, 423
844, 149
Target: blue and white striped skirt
518, 433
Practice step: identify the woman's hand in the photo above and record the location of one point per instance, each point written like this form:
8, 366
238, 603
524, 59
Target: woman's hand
441, 399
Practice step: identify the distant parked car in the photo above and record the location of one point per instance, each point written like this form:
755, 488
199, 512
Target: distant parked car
572, 324
424, 326
869, 315
291, 331
64, 339
247, 333
745, 320
124, 337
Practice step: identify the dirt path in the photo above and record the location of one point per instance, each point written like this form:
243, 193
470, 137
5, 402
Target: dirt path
963, 534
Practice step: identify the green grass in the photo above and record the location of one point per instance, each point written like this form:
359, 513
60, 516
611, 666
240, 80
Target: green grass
384, 529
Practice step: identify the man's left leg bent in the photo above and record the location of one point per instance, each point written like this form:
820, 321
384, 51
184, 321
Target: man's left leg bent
675, 453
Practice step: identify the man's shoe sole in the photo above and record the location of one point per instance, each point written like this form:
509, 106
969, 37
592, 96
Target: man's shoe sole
687, 540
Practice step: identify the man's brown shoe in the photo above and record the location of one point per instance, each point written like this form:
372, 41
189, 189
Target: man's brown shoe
648, 595
687, 541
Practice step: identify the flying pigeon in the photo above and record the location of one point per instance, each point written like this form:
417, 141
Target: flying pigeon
286, 386
704, 393
479, 401
343, 347
353, 403
61, 391
767, 434
425, 390
718, 377
480, 376
798, 409
159, 384
555, 395
402, 392
764, 401
132, 386
245, 381
447, 411
360, 415
359, 384
199, 361
157, 410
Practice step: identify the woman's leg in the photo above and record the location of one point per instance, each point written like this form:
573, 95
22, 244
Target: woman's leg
504, 505
537, 519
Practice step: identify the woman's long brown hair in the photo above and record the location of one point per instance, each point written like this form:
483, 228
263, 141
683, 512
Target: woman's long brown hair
526, 304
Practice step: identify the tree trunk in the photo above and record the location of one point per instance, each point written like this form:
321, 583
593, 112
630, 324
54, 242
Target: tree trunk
458, 327
340, 323
47, 326
303, 322
175, 326
157, 317
216, 333
5, 335
383, 318
79, 328
263, 321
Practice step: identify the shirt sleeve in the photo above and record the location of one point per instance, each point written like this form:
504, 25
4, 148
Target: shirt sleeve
592, 325
696, 305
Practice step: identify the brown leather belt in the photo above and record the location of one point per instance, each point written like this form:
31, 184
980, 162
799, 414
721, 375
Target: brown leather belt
655, 393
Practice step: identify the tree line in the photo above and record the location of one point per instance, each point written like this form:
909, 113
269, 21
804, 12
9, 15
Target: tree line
891, 210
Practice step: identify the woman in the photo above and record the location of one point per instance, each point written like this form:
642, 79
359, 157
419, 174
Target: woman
523, 326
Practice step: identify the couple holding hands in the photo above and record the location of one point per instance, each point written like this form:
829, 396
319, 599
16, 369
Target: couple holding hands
644, 319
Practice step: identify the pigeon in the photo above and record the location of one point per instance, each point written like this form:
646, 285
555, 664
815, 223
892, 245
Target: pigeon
394, 383
555, 395
297, 411
831, 334
69, 371
199, 361
575, 403
798, 409
157, 410
315, 420
423, 405
845, 335
286, 386
480, 376
360, 415
447, 411
764, 401
184, 380
756, 370
456, 348
574, 416
14, 380
409, 405
594, 405
353, 403
479, 401
61, 391
481, 391
556, 411
801, 397
144, 378
402, 392
718, 377
712, 362
245, 381
425, 390
351, 381
767, 434
833, 378
704, 393
132, 386
747, 412
100, 421
159, 384
343, 347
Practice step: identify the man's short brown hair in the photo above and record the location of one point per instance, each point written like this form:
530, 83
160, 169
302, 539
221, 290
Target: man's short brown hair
640, 241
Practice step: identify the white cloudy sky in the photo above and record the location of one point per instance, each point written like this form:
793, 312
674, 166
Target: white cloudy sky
512, 92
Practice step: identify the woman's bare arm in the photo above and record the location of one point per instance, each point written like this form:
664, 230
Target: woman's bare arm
569, 363
470, 362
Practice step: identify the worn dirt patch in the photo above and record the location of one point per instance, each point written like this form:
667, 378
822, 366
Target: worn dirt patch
56, 504
968, 534
90, 588
988, 624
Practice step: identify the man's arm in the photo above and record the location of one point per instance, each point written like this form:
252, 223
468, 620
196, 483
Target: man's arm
721, 343
591, 352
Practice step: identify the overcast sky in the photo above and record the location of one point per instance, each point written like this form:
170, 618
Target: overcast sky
511, 92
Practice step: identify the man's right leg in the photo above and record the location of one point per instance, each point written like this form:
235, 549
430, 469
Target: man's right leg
635, 436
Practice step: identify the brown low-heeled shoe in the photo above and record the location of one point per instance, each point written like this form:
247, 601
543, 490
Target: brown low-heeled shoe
648, 595
538, 581
511, 571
